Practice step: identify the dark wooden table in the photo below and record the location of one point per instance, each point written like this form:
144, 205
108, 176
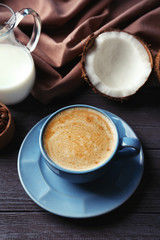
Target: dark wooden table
138, 218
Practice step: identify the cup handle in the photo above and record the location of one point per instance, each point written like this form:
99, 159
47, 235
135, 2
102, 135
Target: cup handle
36, 27
129, 146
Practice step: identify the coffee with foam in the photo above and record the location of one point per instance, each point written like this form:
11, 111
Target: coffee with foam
79, 138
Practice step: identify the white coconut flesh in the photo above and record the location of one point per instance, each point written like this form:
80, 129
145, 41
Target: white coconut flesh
118, 64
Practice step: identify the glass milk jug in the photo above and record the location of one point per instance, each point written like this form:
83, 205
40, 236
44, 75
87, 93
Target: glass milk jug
17, 70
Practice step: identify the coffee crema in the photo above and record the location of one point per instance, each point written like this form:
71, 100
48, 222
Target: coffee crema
79, 138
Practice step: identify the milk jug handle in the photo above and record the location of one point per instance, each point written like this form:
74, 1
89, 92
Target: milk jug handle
36, 27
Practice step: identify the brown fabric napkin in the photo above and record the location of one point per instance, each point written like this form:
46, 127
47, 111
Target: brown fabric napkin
65, 27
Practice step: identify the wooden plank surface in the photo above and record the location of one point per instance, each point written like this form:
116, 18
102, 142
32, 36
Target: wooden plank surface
138, 218
118, 225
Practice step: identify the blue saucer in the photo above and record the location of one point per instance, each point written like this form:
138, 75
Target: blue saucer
67, 199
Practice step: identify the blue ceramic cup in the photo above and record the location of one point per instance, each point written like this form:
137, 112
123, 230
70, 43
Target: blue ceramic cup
122, 146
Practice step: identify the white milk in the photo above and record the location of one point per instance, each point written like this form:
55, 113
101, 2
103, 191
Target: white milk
17, 73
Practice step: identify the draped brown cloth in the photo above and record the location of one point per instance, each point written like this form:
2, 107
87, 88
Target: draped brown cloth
66, 24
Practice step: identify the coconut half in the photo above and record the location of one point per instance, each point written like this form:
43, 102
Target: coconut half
116, 64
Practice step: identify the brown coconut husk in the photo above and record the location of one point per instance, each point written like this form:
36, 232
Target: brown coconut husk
157, 65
